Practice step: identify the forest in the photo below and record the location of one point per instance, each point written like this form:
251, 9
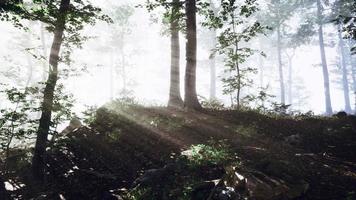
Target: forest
178, 100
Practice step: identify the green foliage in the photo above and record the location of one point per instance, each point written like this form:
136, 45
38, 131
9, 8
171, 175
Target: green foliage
15, 119
259, 102
80, 13
214, 104
169, 12
89, 114
344, 12
139, 194
235, 19
214, 153
62, 108
123, 103
19, 117
121, 17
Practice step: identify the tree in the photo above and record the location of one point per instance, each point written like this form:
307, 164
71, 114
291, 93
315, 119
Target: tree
190, 97
212, 57
15, 121
116, 46
320, 18
173, 18
345, 81
38, 161
175, 99
279, 11
346, 16
340, 11
60, 17
235, 31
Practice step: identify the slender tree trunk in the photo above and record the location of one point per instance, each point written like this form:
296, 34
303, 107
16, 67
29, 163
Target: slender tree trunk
290, 82
290, 77
345, 81
175, 99
353, 73
44, 52
124, 76
280, 66
190, 97
112, 75
212, 64
38, 162
328, 107
212, 57
261, 71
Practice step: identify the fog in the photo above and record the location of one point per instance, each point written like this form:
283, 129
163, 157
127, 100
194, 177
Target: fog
147, 63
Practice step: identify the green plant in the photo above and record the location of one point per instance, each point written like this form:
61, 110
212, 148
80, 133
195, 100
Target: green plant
15, 119
63, 104
19, 116
234, 19
89, 114
214, 153
214, 104
259, 101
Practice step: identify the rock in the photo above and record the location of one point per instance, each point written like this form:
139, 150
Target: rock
202, 190
341, 115
152, 177
235, 179
261, 188
228, 193
293, 139
75, 123
109, 196
297, 190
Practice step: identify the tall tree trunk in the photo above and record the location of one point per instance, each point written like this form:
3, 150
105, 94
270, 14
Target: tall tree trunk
38, 161
212, 64
328, 107
290, 82
44, 52
175, 99
212, 57
280, 66
345, 81
112, 75
190, 97
353, 73
290, 77
261, 70
124, 76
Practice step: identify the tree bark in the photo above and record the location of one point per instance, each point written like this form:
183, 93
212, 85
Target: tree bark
44, 52
190, 97
261, 70
38, 161
353, 73
212, 64
175, 99
290, 76
345, 81
212, 57
328, 107
280, 66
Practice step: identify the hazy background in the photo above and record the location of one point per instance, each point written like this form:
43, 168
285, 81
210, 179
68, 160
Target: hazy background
147, 53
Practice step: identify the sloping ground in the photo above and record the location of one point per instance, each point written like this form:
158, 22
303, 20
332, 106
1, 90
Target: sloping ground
318, 152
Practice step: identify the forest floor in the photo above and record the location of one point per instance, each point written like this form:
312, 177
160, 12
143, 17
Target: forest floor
312, 156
